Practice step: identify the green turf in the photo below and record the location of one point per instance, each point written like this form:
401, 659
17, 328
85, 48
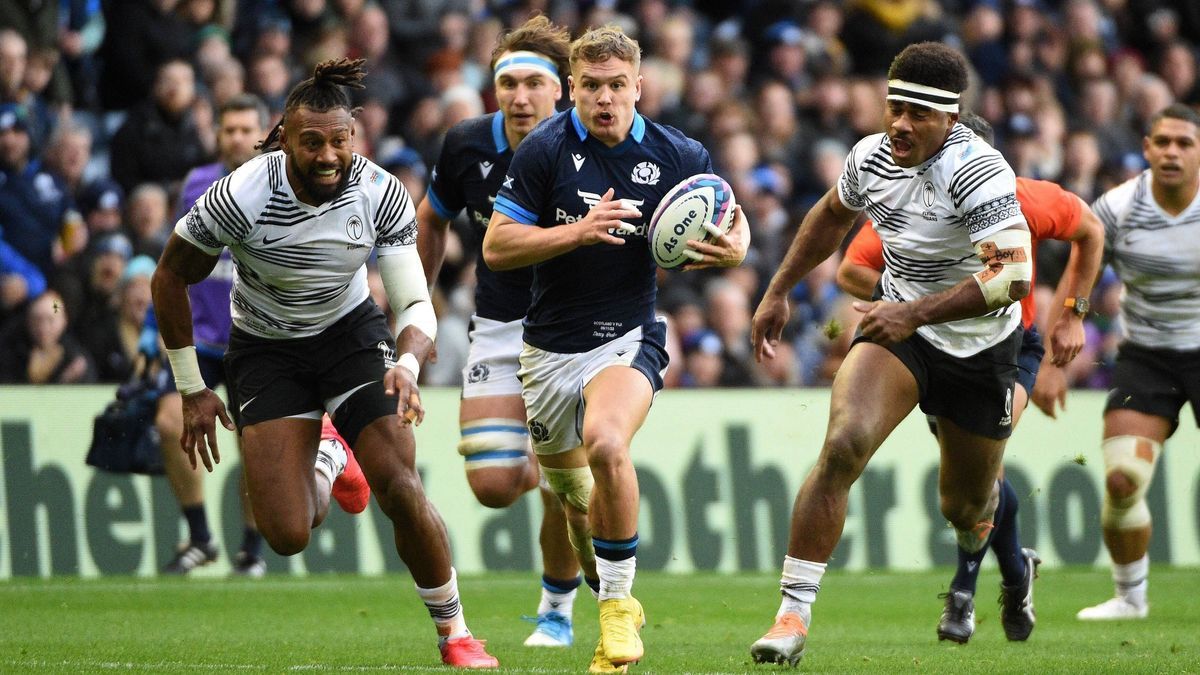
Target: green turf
864, 622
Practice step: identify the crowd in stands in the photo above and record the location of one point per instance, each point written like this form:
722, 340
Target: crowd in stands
105, 105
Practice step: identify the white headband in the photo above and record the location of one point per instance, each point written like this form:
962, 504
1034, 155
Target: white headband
930, 97
515, 60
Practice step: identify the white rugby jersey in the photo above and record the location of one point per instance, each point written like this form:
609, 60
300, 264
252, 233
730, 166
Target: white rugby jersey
299, 268
929, 218
1157, 256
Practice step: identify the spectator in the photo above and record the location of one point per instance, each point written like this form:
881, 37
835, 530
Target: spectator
147, 221
149, 36
89, 283
34, 204
67, 155
100, 205
20, 280
14, 62
39, 350
160, 140
113, 343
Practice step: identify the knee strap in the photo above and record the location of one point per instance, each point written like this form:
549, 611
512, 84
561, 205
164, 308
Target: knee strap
1134, 457
575, 485
575, 488
494, 442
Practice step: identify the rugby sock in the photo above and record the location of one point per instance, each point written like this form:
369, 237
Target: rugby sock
799, 585
197, 521
558, 595
593, 585
967, 574
616, 562
252, 542
1005, 542
445, 609
1132, 580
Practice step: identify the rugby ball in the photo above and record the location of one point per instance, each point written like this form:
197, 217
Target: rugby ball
682, 214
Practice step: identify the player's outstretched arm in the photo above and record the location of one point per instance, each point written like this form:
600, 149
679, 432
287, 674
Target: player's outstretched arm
1066, 335
1005, 279
509, 244
820, 233
183, 264
729, 249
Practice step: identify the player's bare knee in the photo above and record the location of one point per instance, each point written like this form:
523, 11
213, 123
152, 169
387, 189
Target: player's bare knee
607, 453
401, 494
287, 540
497, 489
843, 457
168, 419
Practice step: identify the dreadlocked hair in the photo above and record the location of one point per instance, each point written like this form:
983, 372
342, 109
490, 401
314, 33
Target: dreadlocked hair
321, 93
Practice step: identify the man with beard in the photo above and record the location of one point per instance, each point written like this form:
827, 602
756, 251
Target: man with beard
307, 340
240, 125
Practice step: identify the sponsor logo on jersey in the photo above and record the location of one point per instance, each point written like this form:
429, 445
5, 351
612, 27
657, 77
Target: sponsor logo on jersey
646, 173
591, 199
578, 160
374, 177
485, 168
354, 227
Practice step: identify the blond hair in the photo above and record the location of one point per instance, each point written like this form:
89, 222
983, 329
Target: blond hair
599, 44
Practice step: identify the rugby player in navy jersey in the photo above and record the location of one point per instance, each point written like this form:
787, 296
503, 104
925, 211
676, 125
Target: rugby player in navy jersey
526, 67
945, 335
307, 339
575, 204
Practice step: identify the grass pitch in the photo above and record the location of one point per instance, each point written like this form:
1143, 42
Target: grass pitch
863, 622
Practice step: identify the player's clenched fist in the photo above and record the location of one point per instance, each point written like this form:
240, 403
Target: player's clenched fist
607, 215
401, 382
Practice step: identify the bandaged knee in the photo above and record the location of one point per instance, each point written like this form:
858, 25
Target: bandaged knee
494, 442
1008, 268
1133, 457
574, 486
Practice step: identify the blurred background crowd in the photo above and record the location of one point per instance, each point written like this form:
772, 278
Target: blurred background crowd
105, 105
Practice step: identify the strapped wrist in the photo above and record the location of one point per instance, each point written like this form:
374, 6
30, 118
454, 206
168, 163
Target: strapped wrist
408, 361
186, 370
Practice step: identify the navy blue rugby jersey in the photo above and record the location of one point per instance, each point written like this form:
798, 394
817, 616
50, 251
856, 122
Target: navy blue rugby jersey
474, 159
595, 293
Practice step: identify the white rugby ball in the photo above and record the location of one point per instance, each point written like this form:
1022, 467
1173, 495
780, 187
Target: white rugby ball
682, 215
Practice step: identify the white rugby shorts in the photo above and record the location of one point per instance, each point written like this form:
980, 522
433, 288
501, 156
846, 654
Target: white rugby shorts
492, 364
552, 383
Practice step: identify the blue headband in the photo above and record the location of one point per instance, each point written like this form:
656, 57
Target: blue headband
525, 59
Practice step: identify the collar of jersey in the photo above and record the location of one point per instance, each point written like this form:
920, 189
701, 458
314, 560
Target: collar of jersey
498, 132
637, 131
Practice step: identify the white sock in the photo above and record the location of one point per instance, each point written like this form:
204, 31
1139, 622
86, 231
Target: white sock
616, 577
445, 609
331, 459
799, 585
563, 603
1132, 580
